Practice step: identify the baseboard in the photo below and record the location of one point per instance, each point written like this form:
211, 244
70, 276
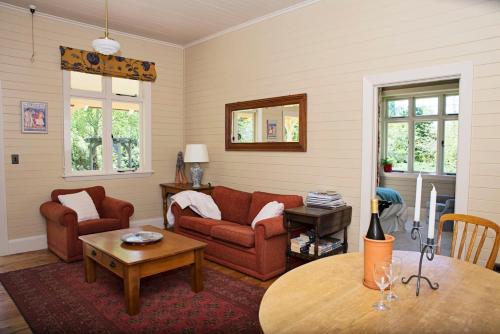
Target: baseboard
158, 222
27, 244
38, 242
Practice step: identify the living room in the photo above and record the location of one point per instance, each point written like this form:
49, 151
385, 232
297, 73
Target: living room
210, 54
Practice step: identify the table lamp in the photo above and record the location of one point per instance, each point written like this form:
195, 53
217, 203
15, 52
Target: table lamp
196, 153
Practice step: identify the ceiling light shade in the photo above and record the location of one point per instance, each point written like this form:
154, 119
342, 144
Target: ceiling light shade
106, 46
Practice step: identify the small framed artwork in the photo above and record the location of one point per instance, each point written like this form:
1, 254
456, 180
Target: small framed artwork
34, 117
272, 129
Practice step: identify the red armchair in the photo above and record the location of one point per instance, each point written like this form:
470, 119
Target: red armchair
63, 228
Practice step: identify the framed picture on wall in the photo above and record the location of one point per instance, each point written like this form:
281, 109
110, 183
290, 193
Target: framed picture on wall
34, 117
272, 129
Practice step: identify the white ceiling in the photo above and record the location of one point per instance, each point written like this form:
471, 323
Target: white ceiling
175, 21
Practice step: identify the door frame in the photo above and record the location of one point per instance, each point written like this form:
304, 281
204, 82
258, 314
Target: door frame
371, 85
4, 238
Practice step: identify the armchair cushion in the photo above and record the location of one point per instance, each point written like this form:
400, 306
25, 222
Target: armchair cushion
98, 225
81, 203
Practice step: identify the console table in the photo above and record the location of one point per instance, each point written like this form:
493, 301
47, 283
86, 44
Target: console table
174, 188
324, 221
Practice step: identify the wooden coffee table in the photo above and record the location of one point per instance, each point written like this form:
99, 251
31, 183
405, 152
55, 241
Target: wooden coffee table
135, 262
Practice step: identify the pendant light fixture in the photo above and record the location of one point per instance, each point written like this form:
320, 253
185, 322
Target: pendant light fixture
106, 45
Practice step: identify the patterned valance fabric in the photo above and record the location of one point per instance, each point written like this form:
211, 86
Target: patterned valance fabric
113, 66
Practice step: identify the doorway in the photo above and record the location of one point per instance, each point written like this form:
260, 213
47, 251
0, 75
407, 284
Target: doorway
372, 86
418, 138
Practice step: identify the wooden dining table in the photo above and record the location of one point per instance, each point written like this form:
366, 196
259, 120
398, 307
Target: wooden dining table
328, 296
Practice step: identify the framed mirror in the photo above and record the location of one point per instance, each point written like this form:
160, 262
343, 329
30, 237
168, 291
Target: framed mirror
273, 124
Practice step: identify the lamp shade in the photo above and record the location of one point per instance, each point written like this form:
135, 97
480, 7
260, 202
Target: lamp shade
196, 153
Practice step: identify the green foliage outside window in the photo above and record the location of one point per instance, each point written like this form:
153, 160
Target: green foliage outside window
125, 139
397, 145
86, 139
425, 159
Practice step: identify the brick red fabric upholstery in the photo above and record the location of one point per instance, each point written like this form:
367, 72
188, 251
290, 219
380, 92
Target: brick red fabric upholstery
272, 226
198, 224
233, 204
62, 226
98, 225
259, 199
242, 235
260, 252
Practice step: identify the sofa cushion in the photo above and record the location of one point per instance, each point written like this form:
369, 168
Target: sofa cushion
242, 235
199, 224
233, 204
98, 225
259, 199
270, 210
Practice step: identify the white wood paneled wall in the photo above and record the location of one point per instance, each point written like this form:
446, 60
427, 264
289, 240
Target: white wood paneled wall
324, 50
41, 156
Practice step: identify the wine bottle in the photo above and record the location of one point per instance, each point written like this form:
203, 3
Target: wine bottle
375, 231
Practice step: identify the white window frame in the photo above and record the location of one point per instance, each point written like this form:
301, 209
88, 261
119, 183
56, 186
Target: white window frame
412, 119
107, 97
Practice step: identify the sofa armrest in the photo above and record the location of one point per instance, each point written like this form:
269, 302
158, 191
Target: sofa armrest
57, 212
272, 226
116, 208
178, 212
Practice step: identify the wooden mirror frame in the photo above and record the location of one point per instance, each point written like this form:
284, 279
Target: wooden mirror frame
300, 146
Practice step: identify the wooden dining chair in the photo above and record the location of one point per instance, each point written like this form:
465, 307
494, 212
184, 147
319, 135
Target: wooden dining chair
476, 222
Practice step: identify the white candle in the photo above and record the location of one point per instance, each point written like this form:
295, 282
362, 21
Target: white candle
432, 213
418, 197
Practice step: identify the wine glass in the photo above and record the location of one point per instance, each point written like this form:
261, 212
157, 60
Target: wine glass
382, 281
393, 271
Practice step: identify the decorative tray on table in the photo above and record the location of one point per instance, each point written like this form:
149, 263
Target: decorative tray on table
141, 238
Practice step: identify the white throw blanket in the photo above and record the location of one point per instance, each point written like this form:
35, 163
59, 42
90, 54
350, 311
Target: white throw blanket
200, 203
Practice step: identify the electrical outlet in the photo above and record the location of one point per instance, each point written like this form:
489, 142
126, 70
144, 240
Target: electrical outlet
15, 159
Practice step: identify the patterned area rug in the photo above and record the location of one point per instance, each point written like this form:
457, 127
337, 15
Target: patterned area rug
55, 299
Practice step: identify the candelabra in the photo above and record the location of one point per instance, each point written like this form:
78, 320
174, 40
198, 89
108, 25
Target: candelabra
427, 248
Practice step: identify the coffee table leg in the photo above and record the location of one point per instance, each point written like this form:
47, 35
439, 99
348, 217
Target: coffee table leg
131, 283
89, 269
197, 271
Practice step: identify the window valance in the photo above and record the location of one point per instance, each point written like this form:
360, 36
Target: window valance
114, 66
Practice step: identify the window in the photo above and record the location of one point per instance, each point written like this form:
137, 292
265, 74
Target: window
420, 132
107, 125
244, 126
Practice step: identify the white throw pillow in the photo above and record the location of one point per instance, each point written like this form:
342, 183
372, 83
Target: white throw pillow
81, 203
270, 210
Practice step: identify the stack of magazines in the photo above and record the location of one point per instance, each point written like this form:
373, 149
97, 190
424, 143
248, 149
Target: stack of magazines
300, 244
326, 199
325, 245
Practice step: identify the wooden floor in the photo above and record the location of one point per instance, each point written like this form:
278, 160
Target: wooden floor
11, 321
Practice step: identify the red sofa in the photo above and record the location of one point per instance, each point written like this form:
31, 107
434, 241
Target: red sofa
63, 228
232, 241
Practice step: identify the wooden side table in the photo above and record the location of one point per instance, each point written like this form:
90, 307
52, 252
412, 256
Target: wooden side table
324, 222
174, 188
